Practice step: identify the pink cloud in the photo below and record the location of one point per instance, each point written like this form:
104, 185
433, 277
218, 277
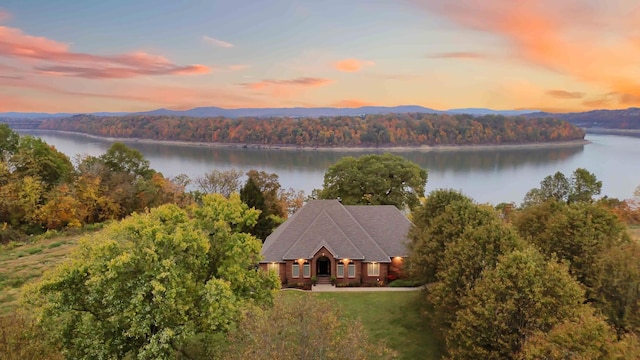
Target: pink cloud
593, 42
563, 94
55, 58
135, 95
352, 65
297, 82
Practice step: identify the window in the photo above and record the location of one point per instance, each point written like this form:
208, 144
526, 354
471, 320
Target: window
306, 270
352, 270
273, 267
373, 269
340, 270
295, 270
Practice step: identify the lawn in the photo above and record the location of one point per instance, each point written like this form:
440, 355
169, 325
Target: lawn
22, 263
393, 317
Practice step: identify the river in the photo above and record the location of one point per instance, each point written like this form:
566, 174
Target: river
493, 176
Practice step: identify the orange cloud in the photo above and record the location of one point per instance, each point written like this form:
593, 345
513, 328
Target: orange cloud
351, 103
297, 82
592, 42
237, 67
457, 55
352, 65
55, 58
562, 94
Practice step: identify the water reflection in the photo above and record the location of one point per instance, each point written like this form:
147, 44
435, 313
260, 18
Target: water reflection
486, 175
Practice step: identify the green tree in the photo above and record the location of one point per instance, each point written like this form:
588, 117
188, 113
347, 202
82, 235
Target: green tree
616, 286
577, 232
9, 140
584, 186
581, 187
269, 185
450, 220
121, 158
251, 195
523, 294
36, 158
464, 260
155, 284
588, 336
375, 180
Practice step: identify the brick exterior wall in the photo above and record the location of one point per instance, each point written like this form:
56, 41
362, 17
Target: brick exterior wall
370, 279
285, 270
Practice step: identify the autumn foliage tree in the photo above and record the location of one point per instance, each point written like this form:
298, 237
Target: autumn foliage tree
413, 129
40, 189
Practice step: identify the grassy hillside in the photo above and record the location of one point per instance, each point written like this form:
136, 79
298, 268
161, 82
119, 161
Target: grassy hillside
20, 264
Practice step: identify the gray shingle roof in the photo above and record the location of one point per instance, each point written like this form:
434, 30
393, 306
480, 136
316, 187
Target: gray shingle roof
363, 232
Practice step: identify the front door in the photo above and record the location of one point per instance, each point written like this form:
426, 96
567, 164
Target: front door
323, 266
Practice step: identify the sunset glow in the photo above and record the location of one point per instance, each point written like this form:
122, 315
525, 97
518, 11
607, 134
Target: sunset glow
72, 56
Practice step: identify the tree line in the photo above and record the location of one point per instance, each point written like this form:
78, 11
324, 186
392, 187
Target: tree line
415, 129
41, 189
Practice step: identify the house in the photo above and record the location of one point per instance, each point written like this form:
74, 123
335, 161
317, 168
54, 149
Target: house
325, 239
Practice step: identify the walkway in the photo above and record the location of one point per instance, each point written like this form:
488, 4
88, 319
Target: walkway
331, 288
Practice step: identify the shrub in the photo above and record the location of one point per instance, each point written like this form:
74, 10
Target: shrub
301, 327
404, 283
8, 234
20, 338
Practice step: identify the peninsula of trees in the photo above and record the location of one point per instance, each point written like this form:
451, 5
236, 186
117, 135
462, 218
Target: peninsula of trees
389, 130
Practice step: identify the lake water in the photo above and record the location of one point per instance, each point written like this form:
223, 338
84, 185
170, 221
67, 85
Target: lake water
492, 176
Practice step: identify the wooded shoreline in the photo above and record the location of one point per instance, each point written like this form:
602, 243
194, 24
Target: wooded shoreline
421, 148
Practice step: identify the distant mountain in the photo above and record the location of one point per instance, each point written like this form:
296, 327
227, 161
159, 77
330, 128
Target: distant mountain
32, 115
596, 119
599, 119
213, 111
483, 111
326, 111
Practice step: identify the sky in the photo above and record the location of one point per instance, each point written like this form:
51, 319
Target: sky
123, 55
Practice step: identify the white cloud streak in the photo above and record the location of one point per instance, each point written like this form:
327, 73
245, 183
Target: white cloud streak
215, 42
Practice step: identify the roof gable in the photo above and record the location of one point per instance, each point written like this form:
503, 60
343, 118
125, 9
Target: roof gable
367, 232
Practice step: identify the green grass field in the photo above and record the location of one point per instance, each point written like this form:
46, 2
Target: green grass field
392, 317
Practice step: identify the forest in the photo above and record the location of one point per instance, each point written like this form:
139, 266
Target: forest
415, 129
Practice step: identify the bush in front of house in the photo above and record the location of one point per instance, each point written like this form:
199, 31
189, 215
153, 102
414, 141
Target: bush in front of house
404, 283
298, 285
